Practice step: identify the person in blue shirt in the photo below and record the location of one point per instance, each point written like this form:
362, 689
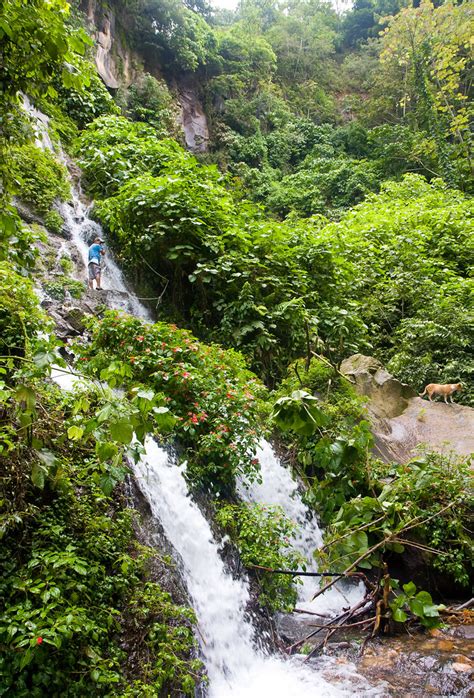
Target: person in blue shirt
96, 250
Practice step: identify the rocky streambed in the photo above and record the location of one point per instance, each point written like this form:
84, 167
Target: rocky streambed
435, 663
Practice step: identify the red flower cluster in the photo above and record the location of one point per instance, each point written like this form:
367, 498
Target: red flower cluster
39, 640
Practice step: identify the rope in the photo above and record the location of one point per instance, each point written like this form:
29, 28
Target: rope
157, 298
297, 573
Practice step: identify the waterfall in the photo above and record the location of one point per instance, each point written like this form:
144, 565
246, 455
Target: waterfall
235, 666
82, 229
277, 487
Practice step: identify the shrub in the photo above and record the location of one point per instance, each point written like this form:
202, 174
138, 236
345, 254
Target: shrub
149, 100
41, 178
20, 315
58, 289
74, 581
53, 221
423, 504
112, 150
90, 99
263, 537
208, 389
331, 446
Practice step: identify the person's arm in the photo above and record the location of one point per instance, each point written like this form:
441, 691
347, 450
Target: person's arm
102, 251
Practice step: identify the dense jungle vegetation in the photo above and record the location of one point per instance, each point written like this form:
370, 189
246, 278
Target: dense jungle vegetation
331, 214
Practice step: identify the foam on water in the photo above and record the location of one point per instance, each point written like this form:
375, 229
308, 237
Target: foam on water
235, 666
278, 487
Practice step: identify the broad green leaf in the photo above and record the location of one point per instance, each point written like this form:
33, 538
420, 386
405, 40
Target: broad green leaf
106, 450
38, 475
399, 616
409, 588
121, 431
75, 433
27, 395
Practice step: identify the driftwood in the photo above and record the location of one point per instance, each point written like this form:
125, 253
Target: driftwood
375, 606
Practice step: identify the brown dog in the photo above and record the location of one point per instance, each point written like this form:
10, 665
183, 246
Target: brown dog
445, 390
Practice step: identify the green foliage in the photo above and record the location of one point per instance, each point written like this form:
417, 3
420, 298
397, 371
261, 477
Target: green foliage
40, 178
424, 60
149, 100
407, 253
420, 604
37, 44
435, 344
331, 452
88, 100
324, 186
181, 38
20, 316
63, 285
75, 585
208, 390
424, 504
112, 150
263, 537
298, 413
235, 278
176, 216
30, 64
18, 241
75, 588
53, 221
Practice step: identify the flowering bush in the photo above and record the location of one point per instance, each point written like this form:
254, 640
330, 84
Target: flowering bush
208, 389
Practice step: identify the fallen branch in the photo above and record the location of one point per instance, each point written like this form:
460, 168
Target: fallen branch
348, 570
337, 626
467, 604
357, 610
343, 625
311, 613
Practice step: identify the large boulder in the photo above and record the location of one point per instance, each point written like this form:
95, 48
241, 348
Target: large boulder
401, 421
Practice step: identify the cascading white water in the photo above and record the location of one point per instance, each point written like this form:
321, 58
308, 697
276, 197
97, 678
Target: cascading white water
277, 487
235, 667
83, 229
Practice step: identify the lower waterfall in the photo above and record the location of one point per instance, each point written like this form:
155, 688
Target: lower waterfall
236, 668
277, 487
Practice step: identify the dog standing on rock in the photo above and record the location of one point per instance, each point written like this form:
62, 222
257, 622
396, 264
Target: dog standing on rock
445, 390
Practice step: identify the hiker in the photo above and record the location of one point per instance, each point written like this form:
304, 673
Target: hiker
96, 251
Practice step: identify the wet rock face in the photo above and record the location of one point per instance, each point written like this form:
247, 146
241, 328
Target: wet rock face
388, 397
193, 121
401, 420
103, 57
